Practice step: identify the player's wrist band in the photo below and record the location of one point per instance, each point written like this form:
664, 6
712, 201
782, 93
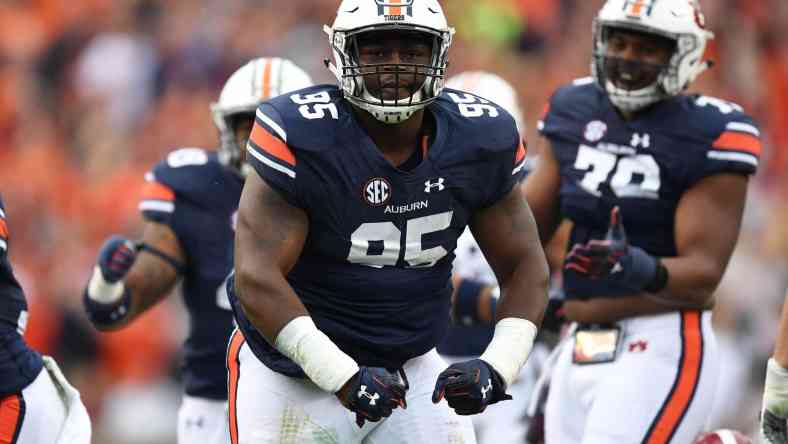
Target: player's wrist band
322, 361
660, 280
176, 264
107, 314
510, 346
776, 385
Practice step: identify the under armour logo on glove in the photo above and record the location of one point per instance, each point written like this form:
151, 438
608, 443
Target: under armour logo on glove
373, 393
469, 387
372, 397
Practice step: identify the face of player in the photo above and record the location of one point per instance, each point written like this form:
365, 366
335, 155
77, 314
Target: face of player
634, 60
395, 56
242, 127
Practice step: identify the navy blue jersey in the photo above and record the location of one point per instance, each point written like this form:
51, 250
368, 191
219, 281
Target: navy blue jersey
374, 271
19, 364
644, 165
196, 196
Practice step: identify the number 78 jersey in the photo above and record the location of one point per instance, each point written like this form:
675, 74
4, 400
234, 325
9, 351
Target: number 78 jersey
374, 272
643, 165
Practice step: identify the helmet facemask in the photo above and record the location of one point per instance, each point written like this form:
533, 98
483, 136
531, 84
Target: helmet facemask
631, 85
391, 92
231, 152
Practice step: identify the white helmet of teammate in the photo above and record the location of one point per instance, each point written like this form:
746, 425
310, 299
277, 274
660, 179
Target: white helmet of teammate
678, 20
249, 86
355, 17
491, 87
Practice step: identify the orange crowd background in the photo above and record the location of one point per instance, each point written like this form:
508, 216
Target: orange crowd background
95, 92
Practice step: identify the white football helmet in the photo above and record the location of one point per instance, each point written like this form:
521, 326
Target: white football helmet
678, 20
492, 87
355, 17
249, 86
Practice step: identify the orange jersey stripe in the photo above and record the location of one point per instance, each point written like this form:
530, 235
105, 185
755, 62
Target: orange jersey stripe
3, 229
12, 413
233, 371
730, 140
686, 382
272, 145
396, 10
157, 191
520, 153
266, 80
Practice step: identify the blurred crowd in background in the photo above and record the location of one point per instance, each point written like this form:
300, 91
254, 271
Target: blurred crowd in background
95, 92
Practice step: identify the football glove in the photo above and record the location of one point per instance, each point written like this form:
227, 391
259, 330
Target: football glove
775, 404
373, 393
469, 387
106, 300
613, 258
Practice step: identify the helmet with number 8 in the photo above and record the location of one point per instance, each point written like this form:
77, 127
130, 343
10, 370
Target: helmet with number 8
680, 21
355, 17
249, 86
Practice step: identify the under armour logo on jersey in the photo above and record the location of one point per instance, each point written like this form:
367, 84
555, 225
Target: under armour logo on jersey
377, 191
486, 389
363, 393
638, 139
617, 268
437, 185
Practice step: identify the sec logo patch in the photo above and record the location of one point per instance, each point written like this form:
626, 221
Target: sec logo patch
377, 191
595, 131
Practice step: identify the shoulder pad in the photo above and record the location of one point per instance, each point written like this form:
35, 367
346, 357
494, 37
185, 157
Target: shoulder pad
306, 119
711, 117
187, 173
476, 122
570, 107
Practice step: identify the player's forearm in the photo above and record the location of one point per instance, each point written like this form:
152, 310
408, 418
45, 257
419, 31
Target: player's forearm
781, 343
691, 281
267, 300
524, 291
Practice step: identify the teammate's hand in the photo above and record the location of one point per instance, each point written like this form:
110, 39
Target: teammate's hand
373, 393
775, 404
469, 387
613, 258
116, 258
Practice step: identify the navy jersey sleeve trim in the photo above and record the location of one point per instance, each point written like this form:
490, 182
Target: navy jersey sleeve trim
3, 231
268, 145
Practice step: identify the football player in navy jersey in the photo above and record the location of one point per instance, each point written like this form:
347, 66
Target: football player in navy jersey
189, 205
654, 183
345, 242
37, 404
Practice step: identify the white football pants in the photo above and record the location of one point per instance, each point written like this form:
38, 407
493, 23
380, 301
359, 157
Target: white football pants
48, 411
267, 407
203, 421
659, 390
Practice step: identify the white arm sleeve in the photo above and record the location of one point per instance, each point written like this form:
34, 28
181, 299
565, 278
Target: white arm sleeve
322, 361
510, 346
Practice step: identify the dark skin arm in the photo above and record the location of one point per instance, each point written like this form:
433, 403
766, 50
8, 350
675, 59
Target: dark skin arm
507, 234
541, 190
269, 237
151, 278
704, 249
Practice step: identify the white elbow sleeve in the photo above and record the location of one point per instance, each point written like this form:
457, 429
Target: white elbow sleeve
322, 361
510, 346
